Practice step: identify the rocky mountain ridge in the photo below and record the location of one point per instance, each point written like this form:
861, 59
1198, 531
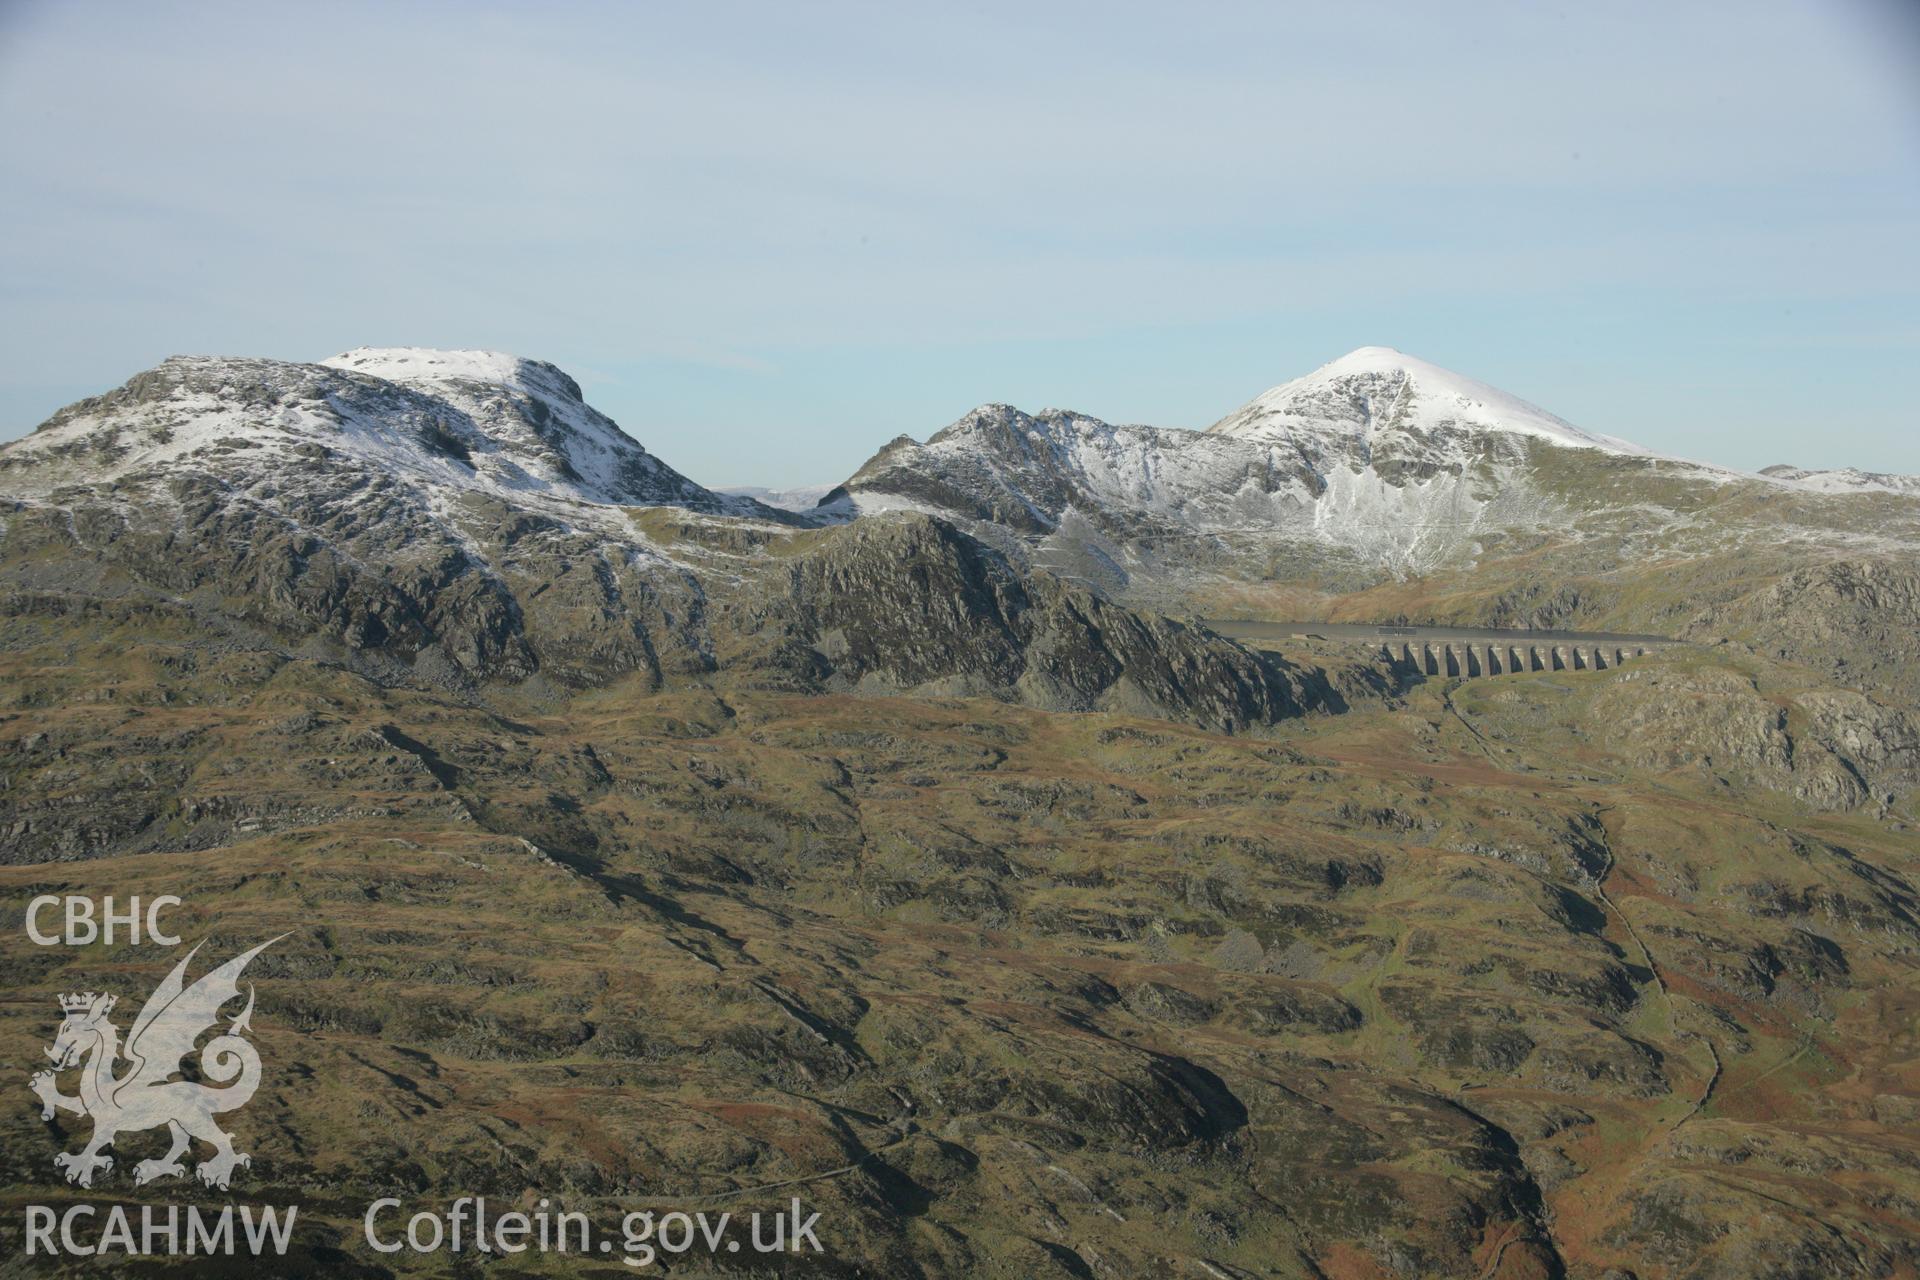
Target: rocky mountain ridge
464, 518
1376, 468
467, 515
443, 423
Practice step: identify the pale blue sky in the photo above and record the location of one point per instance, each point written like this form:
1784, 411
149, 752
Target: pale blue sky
768, 237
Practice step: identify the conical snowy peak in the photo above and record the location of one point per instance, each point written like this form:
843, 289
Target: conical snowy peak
1377, 390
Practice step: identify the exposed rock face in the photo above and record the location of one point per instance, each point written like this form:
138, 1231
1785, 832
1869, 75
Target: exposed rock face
1879, 744
1027, 471
1856, 621
1129, 506
910, 603
1833, 749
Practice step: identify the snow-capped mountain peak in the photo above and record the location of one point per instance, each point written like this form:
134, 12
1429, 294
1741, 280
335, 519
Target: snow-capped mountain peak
1378, 462
531, 416
1376, 390
437, 423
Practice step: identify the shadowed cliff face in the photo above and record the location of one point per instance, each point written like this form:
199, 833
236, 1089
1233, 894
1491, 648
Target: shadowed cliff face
913, 604
888, 606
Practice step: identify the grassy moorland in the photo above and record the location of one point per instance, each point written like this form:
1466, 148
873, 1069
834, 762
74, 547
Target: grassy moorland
1533, 976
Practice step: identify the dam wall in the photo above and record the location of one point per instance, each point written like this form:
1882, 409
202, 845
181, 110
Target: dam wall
1462, 653
1473, 661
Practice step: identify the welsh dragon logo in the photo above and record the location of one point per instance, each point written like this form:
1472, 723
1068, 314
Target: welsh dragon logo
144, 1095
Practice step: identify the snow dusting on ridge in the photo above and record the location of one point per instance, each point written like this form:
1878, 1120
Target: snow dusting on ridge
377, 434
1842, 480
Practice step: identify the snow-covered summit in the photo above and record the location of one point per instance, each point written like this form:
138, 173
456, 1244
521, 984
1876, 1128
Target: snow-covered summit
1377, 462
1375, 390
426, 366
435, 423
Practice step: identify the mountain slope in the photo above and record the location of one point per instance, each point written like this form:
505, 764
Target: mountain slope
442, 422
1510, 980
464, 514
590, 874
911, 604
457, 519
1375, 468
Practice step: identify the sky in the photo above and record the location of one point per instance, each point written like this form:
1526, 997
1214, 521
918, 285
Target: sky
767, 238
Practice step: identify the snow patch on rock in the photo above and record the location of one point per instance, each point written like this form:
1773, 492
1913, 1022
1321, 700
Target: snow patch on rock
1842, 480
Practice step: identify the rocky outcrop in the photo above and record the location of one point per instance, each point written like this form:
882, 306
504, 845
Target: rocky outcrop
1855, 621
499, 596
911, 603
1831, 749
